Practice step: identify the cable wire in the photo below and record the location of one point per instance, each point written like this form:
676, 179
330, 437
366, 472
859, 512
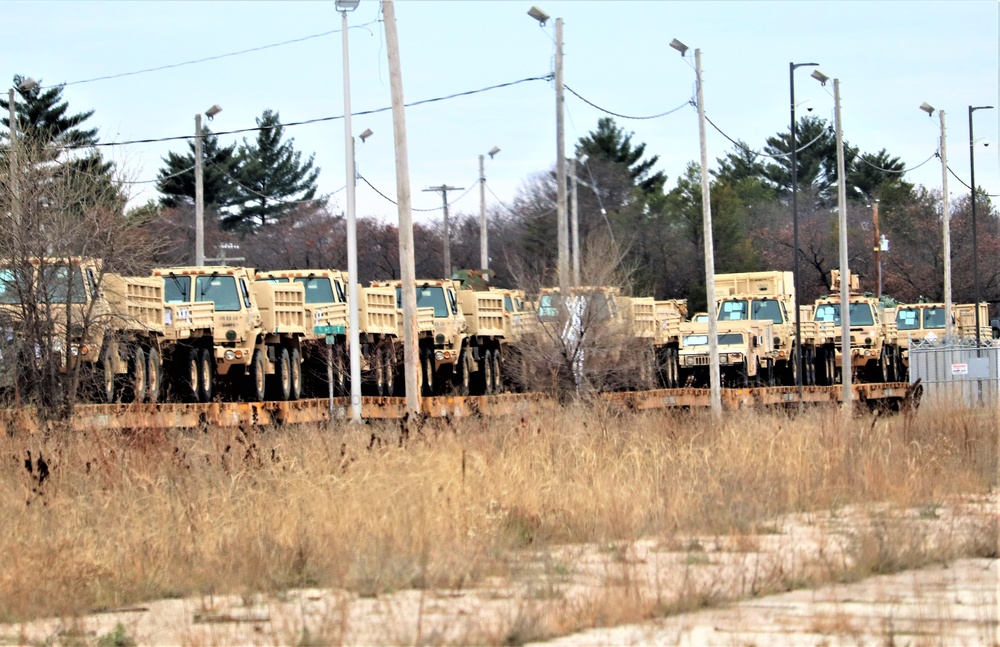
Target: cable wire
467, 191
308, 121
615, 114
758, 154
963, 183
203, 60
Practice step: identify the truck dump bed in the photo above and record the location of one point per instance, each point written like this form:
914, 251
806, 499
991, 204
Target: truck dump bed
484, 312
138, 301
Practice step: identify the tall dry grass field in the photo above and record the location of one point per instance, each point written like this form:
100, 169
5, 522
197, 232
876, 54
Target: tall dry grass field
101, 520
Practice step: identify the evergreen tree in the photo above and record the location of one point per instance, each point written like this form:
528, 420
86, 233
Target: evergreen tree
816, 157
220, 171
611, 143
272, 177
45, 123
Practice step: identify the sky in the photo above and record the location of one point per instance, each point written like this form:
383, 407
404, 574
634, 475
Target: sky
890, 57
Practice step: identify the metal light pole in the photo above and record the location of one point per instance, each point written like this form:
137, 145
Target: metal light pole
443, 190
975, 249
561, 211
26, 85
945, 221
714, 373
353, 343
199, 187
795, 231
845, 272
484, 249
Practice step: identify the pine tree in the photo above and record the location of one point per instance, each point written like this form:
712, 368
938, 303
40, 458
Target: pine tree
272, 178
176, 181
611, 143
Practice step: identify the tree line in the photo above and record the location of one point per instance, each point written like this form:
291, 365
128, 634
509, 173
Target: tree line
262, 205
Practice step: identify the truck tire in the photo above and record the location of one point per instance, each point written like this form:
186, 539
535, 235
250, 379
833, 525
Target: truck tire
206, 375
497, 375
256, 378
389, 371
281, 387
427, 363
486, 372
462, 373
186, 376
154, 375
106, 386
296, 374
138, 375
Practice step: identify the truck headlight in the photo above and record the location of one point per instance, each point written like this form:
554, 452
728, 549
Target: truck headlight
230, 355
438, 355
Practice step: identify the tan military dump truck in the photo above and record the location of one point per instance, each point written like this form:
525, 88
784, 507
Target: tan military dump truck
770, 296
252, 347
746, 353
670, 315
328, 324
463, 351
873, 351
916, 322
74, 313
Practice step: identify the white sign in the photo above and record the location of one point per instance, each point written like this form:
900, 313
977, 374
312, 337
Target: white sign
959, 369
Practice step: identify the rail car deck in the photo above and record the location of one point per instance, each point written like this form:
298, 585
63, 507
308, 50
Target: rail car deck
235, 414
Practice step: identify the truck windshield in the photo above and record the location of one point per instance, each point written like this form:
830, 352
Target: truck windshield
8, 286
508, 304
907, 319
177, 289
220, 290
934, 318
428, 296
318, 289
861, 314
62, 281
726, 338
767, 310
734, 310
548, 307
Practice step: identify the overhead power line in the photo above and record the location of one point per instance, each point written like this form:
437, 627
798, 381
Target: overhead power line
239, 131
615, 114
206, 59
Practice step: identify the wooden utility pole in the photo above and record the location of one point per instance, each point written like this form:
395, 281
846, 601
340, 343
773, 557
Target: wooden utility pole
407, 271
443, 190
878, 252
562, 216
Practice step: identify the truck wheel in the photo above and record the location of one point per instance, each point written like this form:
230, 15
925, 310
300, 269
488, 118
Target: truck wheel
295, 373
281, 380
486, 369
256, 378
389, 371
883, 366
154, 375
427, 362
462, 376
187, 375
497, 379
137, 375
206, 373
339, 372
106, 393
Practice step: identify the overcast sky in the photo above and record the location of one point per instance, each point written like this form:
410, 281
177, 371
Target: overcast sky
889, 56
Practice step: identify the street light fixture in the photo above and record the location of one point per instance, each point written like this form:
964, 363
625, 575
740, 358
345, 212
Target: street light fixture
538, 15
975, 249
365, 135
199, 186
795, 230
945, 221
484, 256
714, 374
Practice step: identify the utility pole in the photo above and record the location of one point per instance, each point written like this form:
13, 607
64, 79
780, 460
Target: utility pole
406, 257
878, 243
561, 169
845, 272
484, 254
443, 190
946, 232
574, 221
199, 197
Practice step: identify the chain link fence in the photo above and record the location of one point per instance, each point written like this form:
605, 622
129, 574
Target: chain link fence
955, 372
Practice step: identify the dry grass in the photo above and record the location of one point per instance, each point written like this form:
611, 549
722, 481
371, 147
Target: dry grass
103, 520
